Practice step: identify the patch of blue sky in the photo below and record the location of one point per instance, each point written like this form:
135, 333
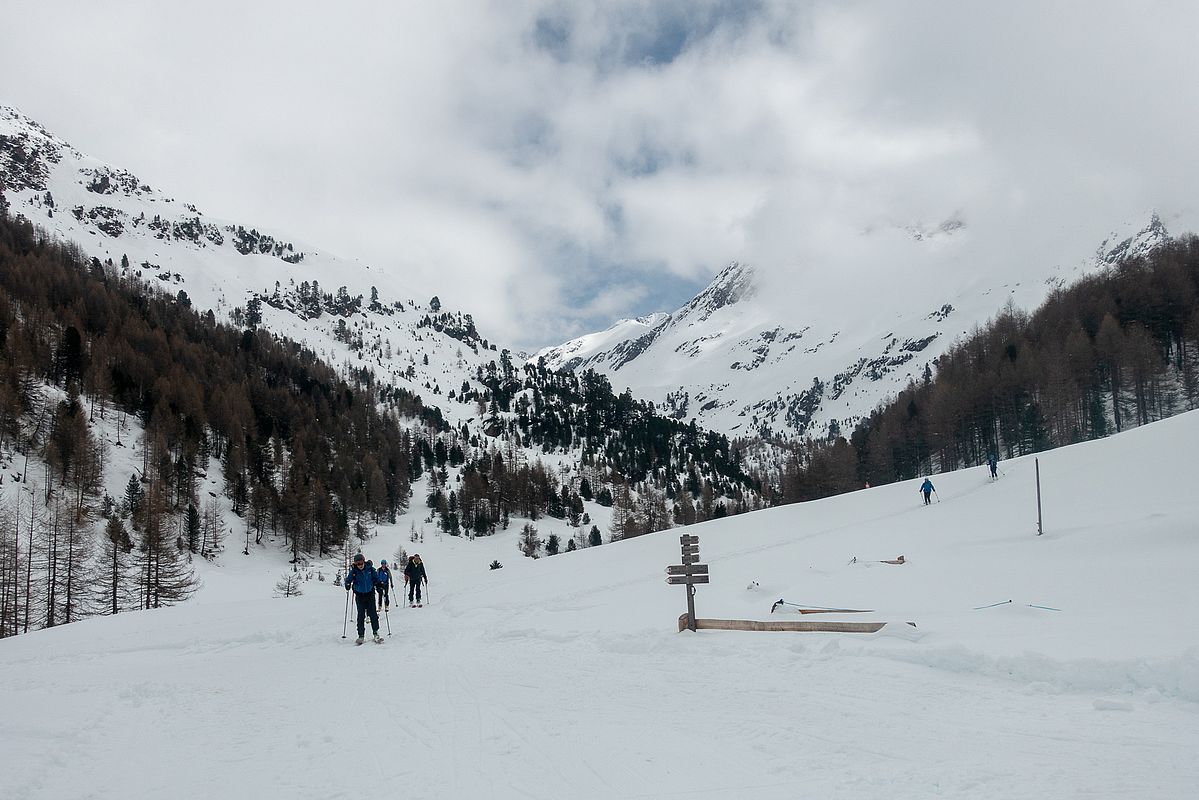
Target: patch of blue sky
649, 159
646, 289
533, 141
665, 291
643, 34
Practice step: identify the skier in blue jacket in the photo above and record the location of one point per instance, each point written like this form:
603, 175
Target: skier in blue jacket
362, 578
927, 488
385, 585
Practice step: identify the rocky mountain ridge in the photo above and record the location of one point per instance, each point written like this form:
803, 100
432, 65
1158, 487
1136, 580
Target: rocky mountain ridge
735, 363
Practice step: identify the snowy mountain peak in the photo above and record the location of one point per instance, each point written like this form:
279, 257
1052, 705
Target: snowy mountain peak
735, 283
1116, 248
649, 320
27, 150
947, 228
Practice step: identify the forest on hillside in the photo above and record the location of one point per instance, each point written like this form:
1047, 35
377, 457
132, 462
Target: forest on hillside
1117, 349
302, 451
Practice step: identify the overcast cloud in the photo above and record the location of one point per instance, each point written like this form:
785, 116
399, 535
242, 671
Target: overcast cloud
552, 166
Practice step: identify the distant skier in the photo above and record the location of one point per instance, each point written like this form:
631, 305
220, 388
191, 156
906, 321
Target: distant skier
993, 463
927, 489
362, 578
414, 573
385, 585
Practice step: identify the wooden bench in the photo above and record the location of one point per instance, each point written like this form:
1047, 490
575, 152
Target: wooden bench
798, 625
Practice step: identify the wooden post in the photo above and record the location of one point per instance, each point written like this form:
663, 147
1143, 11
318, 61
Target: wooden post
1040, 530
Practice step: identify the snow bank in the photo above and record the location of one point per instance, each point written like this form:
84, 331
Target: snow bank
564, 677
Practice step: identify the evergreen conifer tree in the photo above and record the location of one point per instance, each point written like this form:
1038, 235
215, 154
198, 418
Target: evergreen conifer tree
133, 496
192, 524
529, 543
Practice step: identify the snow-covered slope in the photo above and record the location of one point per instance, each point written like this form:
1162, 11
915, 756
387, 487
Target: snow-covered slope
754, 354
564, 677
307, 294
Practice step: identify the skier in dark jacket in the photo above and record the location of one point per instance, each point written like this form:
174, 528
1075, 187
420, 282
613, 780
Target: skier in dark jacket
385, 585
927, 488
362, 578
414, 573
993, 463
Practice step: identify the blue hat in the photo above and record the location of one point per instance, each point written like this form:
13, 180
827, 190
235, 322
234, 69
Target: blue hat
383, 563
358, 557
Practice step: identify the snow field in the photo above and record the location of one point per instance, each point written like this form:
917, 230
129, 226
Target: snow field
564, 677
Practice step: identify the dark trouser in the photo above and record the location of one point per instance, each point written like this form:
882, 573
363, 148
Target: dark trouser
993, 475
366, 605
413, 587
928, 497
384, 596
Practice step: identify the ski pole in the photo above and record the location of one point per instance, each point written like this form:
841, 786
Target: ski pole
428, 597
387, 618
804, 608
345, 620
936, 495
1000, 603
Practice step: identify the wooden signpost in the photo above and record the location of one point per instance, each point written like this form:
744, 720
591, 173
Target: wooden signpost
689, 573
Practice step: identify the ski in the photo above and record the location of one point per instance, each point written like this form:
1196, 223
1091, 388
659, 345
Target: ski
835, 610
818, 609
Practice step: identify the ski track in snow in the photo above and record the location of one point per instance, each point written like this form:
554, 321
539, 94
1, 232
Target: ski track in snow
564, 678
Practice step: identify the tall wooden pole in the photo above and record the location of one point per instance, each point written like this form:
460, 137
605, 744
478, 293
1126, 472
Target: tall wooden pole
1040, 530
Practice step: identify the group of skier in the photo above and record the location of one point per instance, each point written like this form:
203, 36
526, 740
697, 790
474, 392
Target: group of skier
372, 589
928, 490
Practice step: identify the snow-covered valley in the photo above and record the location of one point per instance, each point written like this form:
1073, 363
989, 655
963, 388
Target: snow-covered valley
573, 300
564, 676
